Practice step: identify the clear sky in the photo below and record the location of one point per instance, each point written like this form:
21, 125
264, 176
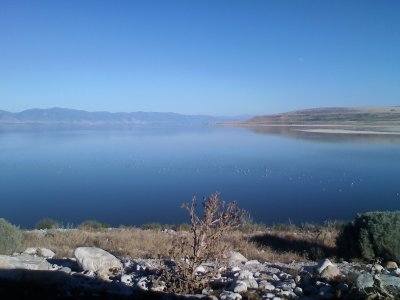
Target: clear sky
199, 57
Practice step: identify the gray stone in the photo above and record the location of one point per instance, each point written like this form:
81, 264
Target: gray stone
98, 260
265, 285
330, 272
389, 283
251, 283
364, 281
322, 265
252, 263
286, 285
235, 257
238, 286
378, 268
227, 295
298, 291
270, 295
66, 270
30, 251
127, 279
44, 252
26, 262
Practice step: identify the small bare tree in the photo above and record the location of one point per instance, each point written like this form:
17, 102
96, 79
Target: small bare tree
204, 244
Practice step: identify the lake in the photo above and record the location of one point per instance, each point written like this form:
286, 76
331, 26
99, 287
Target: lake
142, 175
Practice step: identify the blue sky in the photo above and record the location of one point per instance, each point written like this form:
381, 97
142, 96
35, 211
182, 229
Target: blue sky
199, 57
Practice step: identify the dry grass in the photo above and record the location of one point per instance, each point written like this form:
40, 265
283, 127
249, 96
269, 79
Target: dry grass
267, 245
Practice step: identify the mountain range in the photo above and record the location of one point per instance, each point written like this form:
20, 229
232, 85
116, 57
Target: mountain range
64, 116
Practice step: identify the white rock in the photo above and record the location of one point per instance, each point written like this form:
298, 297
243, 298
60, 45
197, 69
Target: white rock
239, 286
265, 285
234, 257
330, 272
200, 270
251, 283
142, 284
127, 279
252, 263
235, 269
245, 274
97, 260
27, 262
298, 291
44, 252
378, 268
322, 265
227, 295
30, 251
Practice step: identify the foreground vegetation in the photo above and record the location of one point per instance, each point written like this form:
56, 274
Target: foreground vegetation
371, 236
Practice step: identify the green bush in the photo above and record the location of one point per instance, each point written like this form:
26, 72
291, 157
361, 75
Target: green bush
10, 237
372, 235
47, 223
92, 225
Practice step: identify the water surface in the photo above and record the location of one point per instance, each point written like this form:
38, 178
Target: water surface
135, 176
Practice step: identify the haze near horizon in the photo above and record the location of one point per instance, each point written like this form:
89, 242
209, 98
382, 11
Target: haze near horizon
208, 57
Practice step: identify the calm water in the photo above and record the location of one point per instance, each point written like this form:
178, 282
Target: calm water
143, 175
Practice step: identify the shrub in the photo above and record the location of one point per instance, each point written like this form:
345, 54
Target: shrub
372, 235
47, 223
10, 237
203, 244
92, 225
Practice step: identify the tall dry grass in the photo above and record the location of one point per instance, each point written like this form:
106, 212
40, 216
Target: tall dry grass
264, 245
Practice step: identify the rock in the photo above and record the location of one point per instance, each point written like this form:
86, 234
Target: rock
298, 291
127, 279
200, 270
245, 275
66, 270
98, 260
330, 272
238, 286
142, 284
390, 265
365, 281
269, 295
378, 268
252, 263
235, 257
227, 295
44, 252
390, 283
30, 251
266, 286
322, 265
26, 262
395, 272
286, 285
235, 270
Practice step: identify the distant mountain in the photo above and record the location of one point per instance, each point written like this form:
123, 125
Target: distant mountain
335, 116
63, 116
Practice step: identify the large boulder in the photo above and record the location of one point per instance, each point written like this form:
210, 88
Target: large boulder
97, 260
234, 257
26, 262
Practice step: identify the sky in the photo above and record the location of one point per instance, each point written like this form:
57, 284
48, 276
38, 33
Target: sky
199, 57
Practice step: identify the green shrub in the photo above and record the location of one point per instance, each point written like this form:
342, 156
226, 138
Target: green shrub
372, 235
10, 237
92, 225
47, 223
